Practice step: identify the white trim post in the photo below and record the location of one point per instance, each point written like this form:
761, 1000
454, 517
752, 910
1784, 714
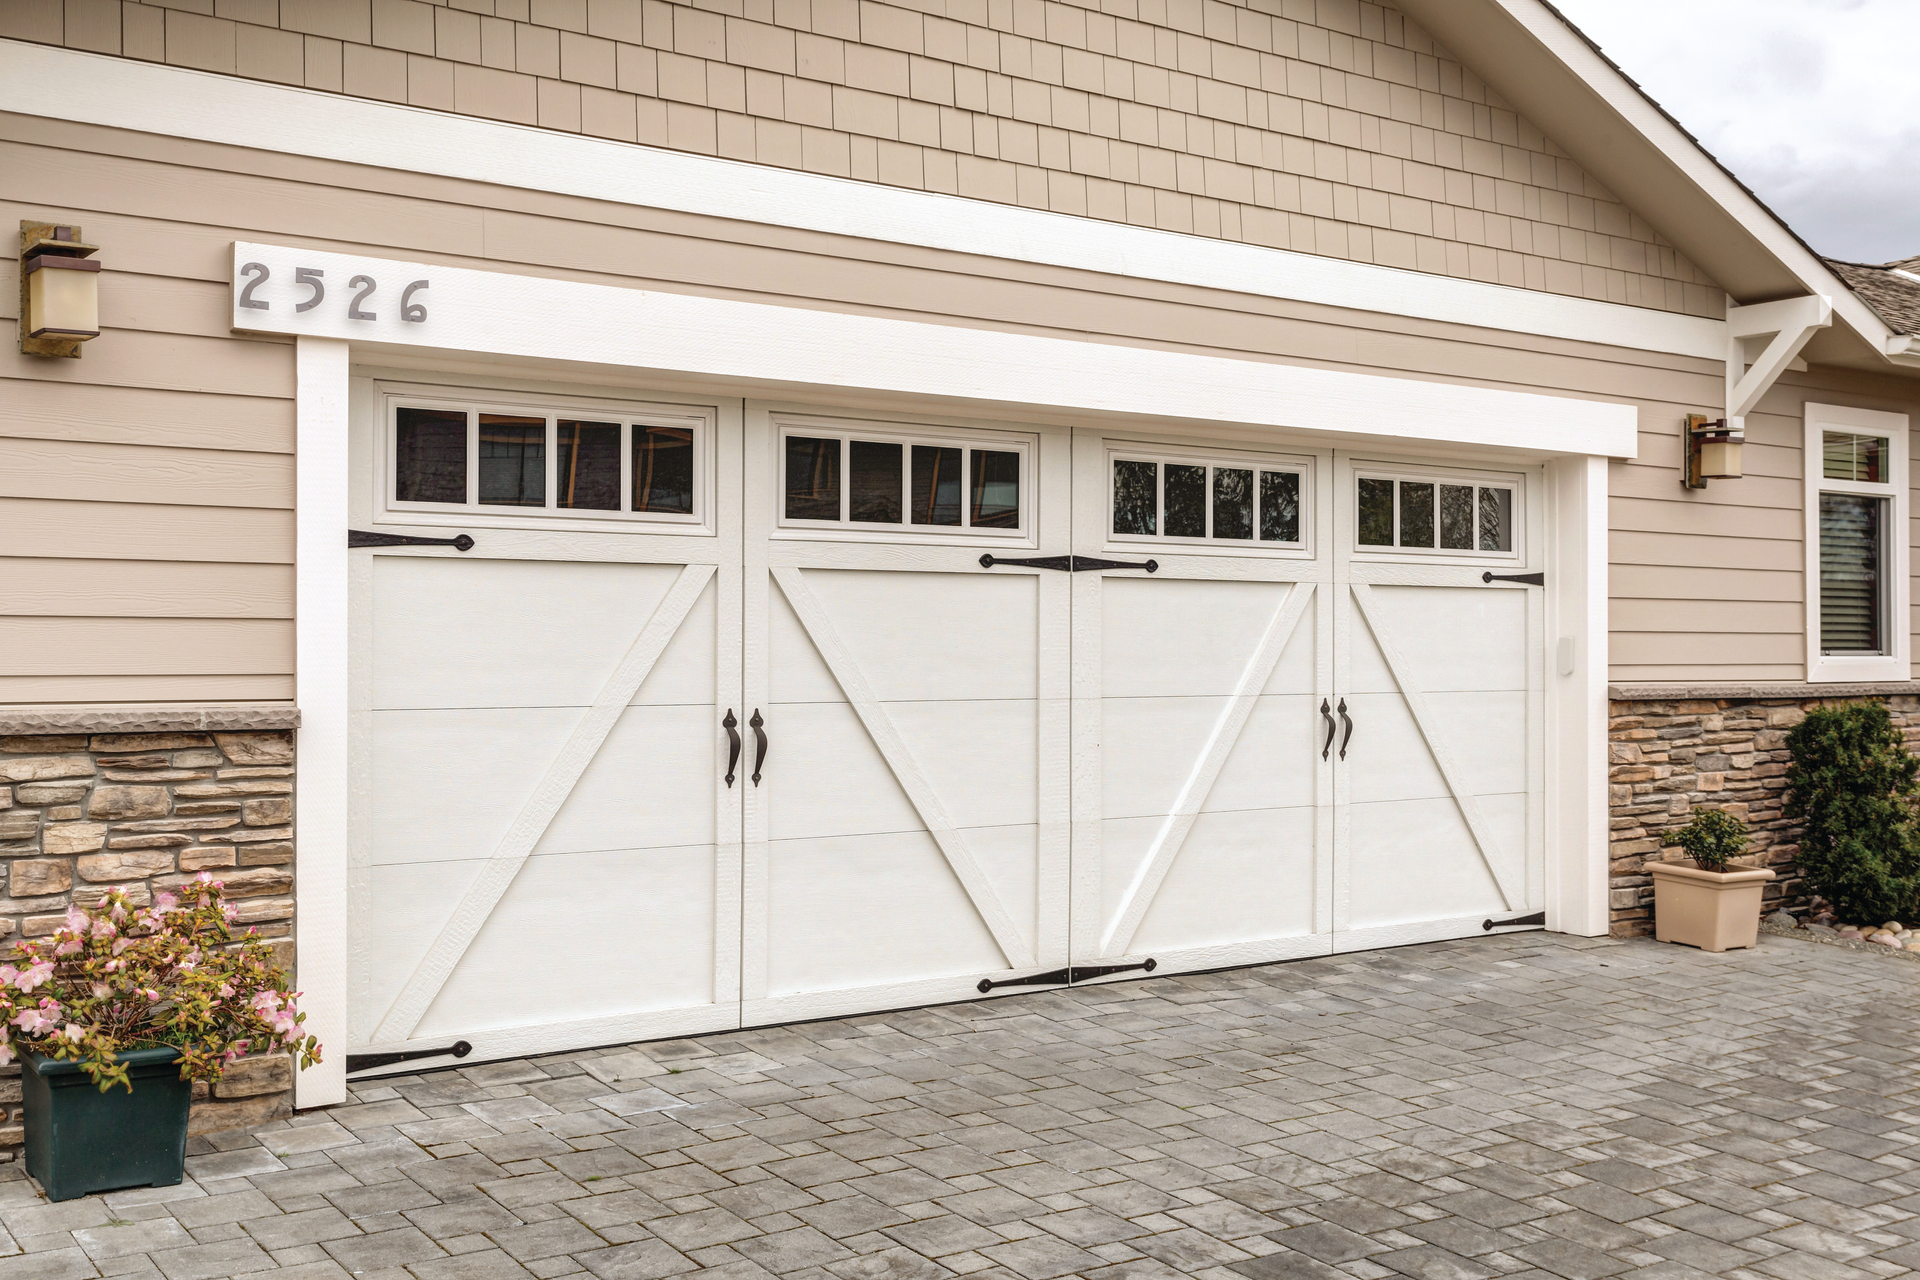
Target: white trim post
320, 688
1577, 872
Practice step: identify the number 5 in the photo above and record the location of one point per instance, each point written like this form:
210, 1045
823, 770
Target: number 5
310, 277
411, 311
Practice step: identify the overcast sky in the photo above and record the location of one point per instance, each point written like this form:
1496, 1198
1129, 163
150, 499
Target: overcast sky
1814, 104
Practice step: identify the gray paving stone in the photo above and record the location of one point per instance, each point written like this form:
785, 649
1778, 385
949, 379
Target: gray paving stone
1525, 1106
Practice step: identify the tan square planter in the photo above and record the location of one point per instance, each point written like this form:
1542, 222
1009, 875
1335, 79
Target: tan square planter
1711, 910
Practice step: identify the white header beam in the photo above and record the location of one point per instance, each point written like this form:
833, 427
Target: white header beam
491, 313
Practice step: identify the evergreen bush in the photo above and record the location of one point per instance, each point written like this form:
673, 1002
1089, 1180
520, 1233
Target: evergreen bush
1852, 783
1711, 838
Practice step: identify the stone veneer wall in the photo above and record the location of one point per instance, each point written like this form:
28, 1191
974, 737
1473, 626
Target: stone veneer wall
1715, 747
146, 799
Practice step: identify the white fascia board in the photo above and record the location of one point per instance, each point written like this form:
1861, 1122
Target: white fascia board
536, 318
120, 93
1566, 44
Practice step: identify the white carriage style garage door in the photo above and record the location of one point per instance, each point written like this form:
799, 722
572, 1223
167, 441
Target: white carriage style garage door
736, 715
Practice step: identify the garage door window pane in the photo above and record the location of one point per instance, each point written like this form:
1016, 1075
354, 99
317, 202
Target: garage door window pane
1496, 519
1850, 595
513, 461
663, 470
1376, 513
1186, 501
936, 485
874, 482
813, 478
1136, 501
1416, 514
1280, 506
430, 455
1456, 517
994, 502
1232, 503
587, 466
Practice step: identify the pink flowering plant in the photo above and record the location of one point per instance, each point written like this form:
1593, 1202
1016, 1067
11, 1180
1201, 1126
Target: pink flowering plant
118, 977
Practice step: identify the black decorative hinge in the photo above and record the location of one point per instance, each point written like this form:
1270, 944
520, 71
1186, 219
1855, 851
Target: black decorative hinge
1537, 918
368, 1061
361, 538
1531, 579
1068, 564
1067, 976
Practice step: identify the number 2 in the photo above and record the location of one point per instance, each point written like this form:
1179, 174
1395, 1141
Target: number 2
260, 274
353, 308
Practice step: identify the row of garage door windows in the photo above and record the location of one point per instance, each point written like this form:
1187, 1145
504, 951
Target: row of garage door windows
445, 456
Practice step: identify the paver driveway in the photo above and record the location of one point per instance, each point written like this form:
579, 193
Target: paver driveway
1528, 1105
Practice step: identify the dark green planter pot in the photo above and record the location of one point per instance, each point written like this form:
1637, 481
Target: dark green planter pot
80, 1140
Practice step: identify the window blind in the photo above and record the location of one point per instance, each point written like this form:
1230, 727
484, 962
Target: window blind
1850, 594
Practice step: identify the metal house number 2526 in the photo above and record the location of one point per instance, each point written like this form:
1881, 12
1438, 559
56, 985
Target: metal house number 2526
314, 281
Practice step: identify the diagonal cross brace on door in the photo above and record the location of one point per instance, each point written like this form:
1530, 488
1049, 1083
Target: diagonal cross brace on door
1205, 772
538, 812
1428, 723
893, 749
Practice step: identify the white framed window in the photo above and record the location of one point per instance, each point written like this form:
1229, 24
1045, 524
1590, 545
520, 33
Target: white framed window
553, 462
1856, 545
1437, 512
861, 478
1209, 498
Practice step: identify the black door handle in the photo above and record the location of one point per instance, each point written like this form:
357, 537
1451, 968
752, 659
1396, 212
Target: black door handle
1326, 713
759, 744
732, 726
1348, 721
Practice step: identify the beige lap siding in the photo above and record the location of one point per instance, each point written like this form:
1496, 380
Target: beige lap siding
146, 489
82, 813
1325, 126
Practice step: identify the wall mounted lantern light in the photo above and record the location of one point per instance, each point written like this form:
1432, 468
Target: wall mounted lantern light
1713, 451
59, 290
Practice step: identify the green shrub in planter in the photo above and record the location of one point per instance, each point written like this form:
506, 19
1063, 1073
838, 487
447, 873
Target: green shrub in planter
1852, 783
1711, 838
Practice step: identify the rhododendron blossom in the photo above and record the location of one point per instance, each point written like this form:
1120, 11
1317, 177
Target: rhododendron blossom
118, 977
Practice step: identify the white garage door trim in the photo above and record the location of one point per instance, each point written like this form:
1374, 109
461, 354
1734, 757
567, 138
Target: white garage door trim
530, 319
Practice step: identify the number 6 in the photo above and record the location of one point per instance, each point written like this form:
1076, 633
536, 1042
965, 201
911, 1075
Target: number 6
411, 311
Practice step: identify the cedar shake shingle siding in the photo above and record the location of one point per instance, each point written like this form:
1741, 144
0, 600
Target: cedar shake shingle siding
1324, 126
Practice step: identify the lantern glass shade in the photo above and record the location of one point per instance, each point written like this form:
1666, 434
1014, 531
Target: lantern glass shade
63, 297
1720, 459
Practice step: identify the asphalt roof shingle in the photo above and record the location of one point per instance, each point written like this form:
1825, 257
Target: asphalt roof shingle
1891, 290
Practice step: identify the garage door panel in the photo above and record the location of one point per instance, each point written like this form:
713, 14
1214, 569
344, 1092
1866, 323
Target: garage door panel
981, 758
853, 911
920, 637
795, 670
640, 920
633, 794
1150, 746
504, 633
1153, 643
448, 783
684, 675
1391, 758
1412, 860
1247, 876
1450, 638
831, 777
403, 910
